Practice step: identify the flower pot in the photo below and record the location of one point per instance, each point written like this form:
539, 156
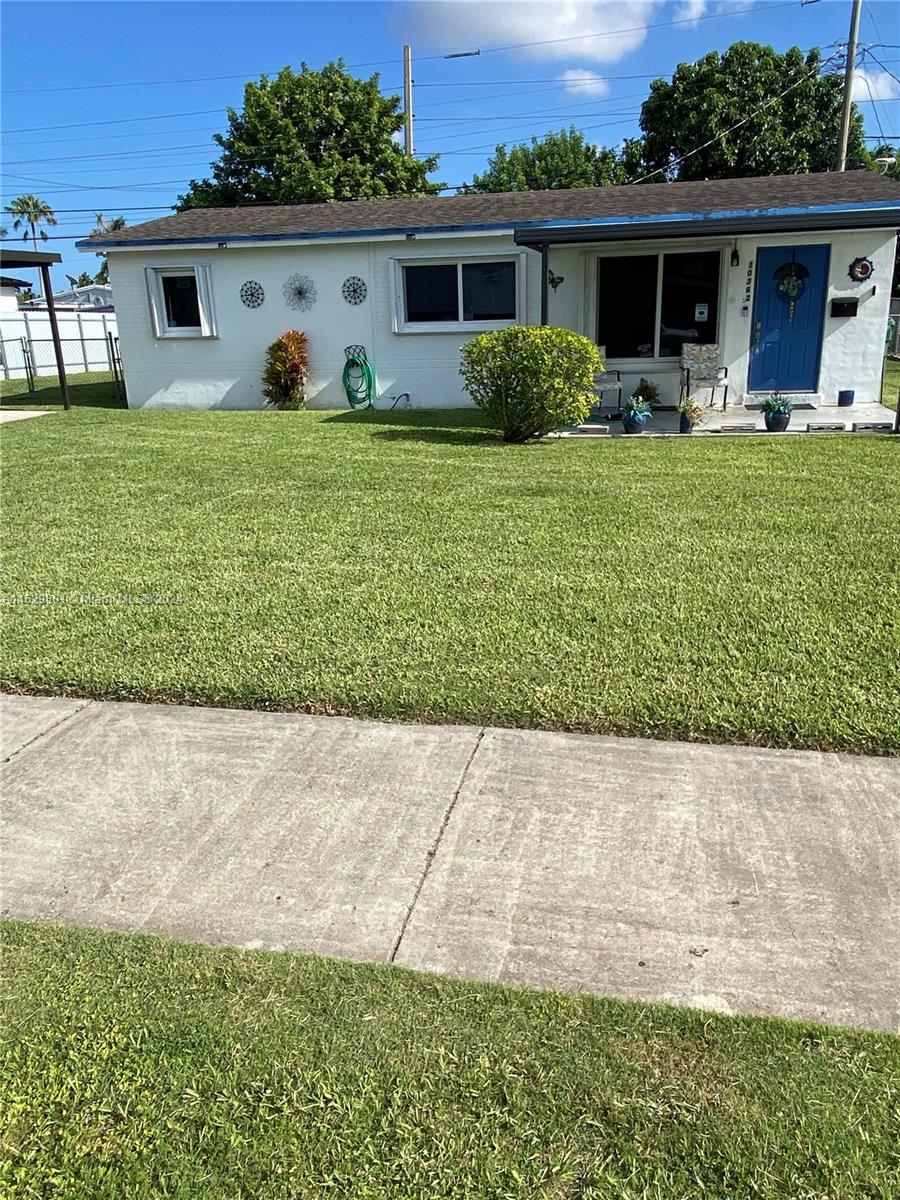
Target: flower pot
777, 422
631, 424
845, 399
685, 424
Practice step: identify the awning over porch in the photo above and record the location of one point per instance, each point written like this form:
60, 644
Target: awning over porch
726, 222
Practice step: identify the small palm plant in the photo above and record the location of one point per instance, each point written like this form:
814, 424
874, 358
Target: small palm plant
287, 370
28, 213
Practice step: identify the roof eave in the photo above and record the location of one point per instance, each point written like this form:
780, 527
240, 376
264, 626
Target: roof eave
886, 215
241, 239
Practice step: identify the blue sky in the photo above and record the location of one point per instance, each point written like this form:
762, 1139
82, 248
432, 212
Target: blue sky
130, 145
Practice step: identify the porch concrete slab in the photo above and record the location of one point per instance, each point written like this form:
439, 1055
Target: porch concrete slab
725, 877
256, 829
23, 719
12, 414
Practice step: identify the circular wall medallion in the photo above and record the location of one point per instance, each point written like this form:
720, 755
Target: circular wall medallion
861, 269
354, 290
252, 294
300, 292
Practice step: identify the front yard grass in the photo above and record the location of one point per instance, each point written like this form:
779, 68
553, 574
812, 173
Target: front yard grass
137, 1067
411, 566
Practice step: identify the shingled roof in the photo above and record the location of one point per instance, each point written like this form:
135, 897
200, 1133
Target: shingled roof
511, 210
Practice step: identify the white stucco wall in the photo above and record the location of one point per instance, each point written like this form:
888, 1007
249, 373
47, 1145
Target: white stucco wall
224, 372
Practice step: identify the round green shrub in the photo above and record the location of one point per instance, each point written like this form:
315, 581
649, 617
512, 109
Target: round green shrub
531, 379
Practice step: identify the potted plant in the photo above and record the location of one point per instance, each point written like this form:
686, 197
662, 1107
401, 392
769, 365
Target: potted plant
635, 413
689, 413
647, 390
776, 411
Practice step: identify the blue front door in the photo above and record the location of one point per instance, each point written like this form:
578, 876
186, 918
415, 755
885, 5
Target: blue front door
788, 318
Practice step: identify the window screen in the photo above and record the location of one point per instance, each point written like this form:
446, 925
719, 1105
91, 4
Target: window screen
626, 305
181, 300
489, 291
690, 301
431, 293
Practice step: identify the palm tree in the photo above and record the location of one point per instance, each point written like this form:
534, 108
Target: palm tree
30, 212
106, 225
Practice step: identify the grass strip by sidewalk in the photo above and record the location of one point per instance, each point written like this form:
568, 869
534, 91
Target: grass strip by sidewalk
410, 566
138, 1067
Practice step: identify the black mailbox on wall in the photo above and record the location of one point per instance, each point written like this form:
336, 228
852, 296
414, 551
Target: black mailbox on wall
845, 308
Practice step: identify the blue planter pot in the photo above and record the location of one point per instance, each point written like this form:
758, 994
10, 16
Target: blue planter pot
631, 424
685, 425
777, 422
845, 399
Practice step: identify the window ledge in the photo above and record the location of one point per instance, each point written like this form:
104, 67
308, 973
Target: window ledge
452, 327
168, 334
632, 365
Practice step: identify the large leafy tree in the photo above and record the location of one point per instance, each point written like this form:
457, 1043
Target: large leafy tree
786, 111
311, 136
29, 213
106, 225
556, 160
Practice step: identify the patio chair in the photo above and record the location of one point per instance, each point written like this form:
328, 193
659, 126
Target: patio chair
607, 381
700, 369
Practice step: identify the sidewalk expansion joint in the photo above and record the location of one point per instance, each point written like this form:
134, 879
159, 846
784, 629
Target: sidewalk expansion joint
44, 732
432, 853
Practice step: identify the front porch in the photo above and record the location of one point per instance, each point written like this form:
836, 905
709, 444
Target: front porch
863, 417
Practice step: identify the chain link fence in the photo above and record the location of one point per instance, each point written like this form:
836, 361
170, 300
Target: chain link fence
32, 363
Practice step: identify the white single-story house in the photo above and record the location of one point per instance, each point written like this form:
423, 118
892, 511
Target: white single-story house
9, 291
92, 296
788, 276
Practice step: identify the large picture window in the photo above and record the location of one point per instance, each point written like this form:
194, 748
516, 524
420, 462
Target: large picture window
649, 305
181, 301
459, 293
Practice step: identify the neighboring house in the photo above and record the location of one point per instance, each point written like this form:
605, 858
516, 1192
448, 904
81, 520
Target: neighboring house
8, 289
789, 275
92, 296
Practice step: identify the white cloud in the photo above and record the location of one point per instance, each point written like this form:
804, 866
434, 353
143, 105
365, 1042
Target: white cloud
594, 31
690, 10
584, 83
883, 86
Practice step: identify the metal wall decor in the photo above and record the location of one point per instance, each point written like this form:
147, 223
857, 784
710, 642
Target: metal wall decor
300, 292
861, 269
354, 290
252, 294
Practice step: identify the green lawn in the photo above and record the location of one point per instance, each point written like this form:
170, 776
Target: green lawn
412, 566
139, 1068
891, 383
90, 390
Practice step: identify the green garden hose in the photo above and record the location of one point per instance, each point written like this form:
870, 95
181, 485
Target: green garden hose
359, 378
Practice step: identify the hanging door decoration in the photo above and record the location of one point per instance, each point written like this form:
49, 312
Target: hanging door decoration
791, 284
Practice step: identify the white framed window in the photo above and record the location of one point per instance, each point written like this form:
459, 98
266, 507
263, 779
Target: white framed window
181, 304
650, 303
470, 294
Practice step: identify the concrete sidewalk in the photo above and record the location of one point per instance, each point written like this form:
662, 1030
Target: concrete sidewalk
734, 878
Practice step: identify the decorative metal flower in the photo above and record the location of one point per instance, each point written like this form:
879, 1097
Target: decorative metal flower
300, 292
354, 290
252, 294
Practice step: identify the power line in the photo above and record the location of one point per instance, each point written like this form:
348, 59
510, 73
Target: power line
422, 58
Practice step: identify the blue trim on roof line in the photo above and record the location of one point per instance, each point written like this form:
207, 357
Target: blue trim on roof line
560, 223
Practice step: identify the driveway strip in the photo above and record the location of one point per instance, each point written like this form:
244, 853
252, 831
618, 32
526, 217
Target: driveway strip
728, 877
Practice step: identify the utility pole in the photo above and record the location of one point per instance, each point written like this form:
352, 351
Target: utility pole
407, 99
841, 164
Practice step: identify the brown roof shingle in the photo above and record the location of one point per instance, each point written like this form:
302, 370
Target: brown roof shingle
510, 209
